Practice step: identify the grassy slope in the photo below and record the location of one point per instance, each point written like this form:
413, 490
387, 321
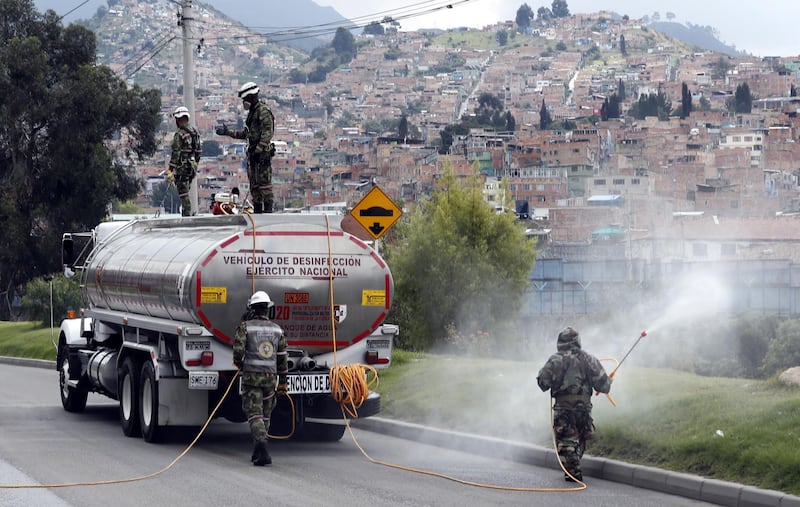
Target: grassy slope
662, 418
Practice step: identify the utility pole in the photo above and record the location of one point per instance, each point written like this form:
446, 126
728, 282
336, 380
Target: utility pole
185, 21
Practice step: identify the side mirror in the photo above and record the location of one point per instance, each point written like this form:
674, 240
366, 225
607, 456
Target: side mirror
67, 250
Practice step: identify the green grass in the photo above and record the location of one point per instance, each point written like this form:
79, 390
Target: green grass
26, 339
662, 417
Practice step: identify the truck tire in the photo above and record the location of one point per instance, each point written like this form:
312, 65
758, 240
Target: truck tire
73, 399
129, 398
148, 406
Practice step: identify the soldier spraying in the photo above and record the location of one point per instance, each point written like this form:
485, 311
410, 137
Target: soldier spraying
571, 375
186, 151
259, 127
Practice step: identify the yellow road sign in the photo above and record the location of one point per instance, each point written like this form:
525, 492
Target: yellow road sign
376, 212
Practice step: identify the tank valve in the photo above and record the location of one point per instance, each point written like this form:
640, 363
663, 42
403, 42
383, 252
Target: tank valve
307, 363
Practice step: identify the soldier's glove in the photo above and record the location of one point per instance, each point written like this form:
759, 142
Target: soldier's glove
223, 130
271, 149
283, 389
170, 176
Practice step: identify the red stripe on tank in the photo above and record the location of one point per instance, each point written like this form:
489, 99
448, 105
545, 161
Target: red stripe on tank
222, 336
378, 259
209, 257
205, 320
311, 343
360, 337
229, 241
198, 288
293, 233
358, 242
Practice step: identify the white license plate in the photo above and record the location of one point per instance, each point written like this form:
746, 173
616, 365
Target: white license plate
203, 379
315, 383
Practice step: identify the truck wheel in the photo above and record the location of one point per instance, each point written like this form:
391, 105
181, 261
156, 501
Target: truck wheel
73, 399
148, 413
128, 398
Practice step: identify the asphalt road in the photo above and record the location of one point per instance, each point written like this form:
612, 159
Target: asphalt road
41, 444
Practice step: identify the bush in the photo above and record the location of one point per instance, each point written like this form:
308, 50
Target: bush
66, 296
784, 350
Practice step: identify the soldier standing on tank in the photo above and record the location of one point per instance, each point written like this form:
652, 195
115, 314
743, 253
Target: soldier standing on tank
259, 128
186, 151
572, 375
259, 351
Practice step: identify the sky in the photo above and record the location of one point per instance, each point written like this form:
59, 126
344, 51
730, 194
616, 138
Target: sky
762, 28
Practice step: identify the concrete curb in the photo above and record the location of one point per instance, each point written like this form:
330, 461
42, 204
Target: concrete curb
673, 483
34, 363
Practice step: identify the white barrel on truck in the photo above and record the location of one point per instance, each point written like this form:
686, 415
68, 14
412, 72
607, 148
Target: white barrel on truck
163, 297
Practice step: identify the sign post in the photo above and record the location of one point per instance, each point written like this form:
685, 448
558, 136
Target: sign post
376, 212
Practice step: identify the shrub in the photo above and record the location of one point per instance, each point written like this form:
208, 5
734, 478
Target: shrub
66, 296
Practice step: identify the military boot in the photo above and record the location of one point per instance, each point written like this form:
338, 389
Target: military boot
261, 456
258, 207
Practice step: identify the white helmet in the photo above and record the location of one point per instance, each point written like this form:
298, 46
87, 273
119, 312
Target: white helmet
260, 297
246, 89
181, 112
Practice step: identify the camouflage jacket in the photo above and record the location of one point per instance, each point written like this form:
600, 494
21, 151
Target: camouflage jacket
259, 127
572, 371
186, 150
261, 352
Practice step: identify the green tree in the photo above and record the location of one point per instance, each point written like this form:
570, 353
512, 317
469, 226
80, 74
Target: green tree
344, 44
610, 107
402, 127
686, 101
524, 17
621, 93
374, 28
66, 296
721, 67
544, 117
211, 148
544, 14
502, 37
622, 47
165, 195
457, 263
742, 99
560, 9
652, 104
70, 131
784, 350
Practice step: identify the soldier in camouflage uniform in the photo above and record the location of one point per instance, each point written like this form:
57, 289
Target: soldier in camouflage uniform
259, 127
259, 351
186, 151
571, 375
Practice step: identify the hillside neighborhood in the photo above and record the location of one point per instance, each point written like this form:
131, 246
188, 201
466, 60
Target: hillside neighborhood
711, 184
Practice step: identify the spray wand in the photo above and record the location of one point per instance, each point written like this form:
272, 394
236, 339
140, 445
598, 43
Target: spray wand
644, 333
619, 363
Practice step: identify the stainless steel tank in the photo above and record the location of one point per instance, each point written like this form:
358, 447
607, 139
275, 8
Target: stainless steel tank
202, 270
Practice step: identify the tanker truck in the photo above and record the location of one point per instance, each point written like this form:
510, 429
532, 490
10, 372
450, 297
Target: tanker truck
163, 296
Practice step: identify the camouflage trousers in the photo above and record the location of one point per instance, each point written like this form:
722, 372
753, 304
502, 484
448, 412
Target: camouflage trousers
259, 173
257, 404
573, 426
183, 184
